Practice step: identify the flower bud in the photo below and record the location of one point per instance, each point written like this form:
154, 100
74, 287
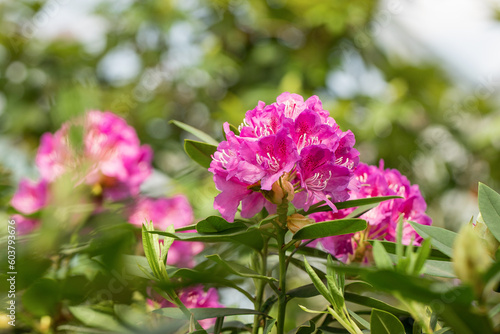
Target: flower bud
470, 257
277, 192
484, 233
296, 221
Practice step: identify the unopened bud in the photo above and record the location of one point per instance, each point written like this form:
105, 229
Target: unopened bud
484, 232
277, 192
470, 257
296, 221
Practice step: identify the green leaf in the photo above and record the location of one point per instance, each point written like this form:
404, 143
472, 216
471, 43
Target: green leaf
318, 283
250, 237
350, 204
200, 152
198, 133
382, 322
382, 259
218, 325
439, 269
42, 297
167, 242
360, 320
215, 224
238, 269
93, 318
311, 328
489, 206
305, 291
441, 239
456, 311
204, 313
330, 228
373, 303
422, 254
269, 326
200, 277
444, 330
150, 250
390, 247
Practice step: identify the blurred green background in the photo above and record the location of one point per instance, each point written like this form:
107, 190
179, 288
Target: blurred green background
423, 100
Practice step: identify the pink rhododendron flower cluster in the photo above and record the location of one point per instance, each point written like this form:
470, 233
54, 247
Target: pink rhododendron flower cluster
194, 297
382, 220
111, 161
292, 140
111, 157
164, 212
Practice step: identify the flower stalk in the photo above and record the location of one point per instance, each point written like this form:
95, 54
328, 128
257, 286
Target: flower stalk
280, 236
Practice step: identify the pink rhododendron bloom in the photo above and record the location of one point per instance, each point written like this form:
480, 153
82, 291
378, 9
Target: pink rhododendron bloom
292, 140
194, 297
30, 196
111, 158
24, 225
164, 212
382, 220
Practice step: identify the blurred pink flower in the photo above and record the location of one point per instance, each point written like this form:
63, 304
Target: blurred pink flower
30, 196
292, 139
194, 297
111, 157
382, 220
25, 225
164, 212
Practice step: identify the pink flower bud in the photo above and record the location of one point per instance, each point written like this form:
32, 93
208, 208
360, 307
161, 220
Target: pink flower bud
296, 221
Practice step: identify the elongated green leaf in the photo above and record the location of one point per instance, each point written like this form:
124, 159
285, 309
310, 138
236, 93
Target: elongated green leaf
350, 204
204, 313
300, 264
441, 239
150, 251
238, 269
218, 325
455, 311
200, 152
373, 303
251, 237
382, 259
269, 326
311, 328
330, 228
444, 330
198, 133
318, 283
133, 263
489, 206
382, 322
167, 242
215, 224
439, 269
435, 254
422, 255
201, 277
361, 210
360, 320
97, 319
305, 291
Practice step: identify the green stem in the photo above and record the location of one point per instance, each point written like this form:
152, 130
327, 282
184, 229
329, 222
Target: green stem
260, 285
281, 232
